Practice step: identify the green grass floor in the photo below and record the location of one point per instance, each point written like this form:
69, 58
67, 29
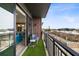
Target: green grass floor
38, 50
8, 52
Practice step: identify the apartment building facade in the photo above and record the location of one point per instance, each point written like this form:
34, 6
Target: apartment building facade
27, 20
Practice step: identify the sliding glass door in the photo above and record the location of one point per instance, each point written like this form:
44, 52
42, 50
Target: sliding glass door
20, 30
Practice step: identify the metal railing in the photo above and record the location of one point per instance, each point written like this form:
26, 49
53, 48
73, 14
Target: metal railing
57, 48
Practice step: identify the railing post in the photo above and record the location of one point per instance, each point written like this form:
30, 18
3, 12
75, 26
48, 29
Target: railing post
0, 41
53, 47
45, 38
9, 39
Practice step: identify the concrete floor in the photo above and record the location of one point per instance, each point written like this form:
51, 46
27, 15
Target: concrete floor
19, 48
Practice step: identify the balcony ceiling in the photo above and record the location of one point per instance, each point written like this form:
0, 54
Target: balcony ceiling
19, 17
38, 9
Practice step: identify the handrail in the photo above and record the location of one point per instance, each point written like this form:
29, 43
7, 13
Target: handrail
69, 50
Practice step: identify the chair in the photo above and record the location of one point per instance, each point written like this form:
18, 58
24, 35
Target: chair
34, 39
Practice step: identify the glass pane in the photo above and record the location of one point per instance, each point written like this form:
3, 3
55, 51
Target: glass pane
20, 30
6, 30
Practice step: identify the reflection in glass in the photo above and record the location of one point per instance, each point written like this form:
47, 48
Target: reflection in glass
6, 29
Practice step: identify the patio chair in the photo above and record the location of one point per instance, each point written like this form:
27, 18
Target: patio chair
34, 39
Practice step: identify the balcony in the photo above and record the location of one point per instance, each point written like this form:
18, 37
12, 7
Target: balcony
38, 50
49, 46
28, 22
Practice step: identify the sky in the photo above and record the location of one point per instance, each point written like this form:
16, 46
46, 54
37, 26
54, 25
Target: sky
62, 15
6, 19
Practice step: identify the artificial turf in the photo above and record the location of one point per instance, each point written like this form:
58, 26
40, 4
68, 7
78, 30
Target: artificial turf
8, 52
38, 50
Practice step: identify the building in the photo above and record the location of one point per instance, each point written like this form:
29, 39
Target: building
20, 21
27, 18
30, 15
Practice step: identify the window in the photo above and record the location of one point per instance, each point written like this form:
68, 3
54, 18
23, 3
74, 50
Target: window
6, 29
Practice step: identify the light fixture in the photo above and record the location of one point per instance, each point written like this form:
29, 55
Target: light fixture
22, 25
18, 25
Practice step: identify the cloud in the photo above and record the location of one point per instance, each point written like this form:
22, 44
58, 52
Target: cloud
69, 19
65, 7
62, 15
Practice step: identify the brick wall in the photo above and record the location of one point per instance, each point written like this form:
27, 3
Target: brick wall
37, 26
